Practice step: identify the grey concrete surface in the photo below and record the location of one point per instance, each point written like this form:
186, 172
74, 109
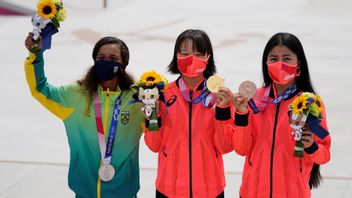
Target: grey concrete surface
33, 144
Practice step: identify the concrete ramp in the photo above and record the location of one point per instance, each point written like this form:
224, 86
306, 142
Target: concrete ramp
11, 9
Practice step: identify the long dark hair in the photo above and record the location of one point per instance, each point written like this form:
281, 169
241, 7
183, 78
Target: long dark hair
201, 43
89, 83
302, 81
291, 42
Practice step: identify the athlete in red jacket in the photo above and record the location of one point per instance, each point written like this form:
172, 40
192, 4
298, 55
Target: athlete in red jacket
266, 139
189, 149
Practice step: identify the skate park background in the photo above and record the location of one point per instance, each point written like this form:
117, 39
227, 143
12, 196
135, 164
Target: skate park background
34, 151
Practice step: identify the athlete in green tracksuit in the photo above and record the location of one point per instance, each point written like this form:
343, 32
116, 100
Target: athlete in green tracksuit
74, 105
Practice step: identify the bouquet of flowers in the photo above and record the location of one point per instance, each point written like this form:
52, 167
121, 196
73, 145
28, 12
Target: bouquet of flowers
150, 89
306, 108
46, 20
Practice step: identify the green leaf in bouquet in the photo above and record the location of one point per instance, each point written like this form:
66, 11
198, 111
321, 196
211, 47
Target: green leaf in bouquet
55, 22
290, 107
299, 148
306, 111
320, 117
153, 122
314, 110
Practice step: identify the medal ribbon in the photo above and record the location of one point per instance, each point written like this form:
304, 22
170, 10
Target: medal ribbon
106, 149
286, 94
264, 100
205, 97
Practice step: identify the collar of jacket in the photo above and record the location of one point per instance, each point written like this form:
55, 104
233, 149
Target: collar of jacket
101, 91
199, 88
272, 94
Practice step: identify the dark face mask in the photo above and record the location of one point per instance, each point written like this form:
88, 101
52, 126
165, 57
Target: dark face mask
107, 70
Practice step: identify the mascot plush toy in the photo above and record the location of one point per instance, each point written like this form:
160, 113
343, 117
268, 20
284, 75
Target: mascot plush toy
39, 24
151, 88
148, 97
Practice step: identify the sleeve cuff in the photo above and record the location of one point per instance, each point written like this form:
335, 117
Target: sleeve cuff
241, 119
223, 113
36, 57
240, 113
310, 150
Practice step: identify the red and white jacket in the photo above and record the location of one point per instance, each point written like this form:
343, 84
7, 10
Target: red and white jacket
189, 147
266, 139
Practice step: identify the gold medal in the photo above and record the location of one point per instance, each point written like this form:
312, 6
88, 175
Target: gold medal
106, 172
214, 82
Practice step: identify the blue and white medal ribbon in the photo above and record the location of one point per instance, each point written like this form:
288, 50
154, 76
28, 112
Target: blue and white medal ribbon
285, 95
264, 100
106, 171
207, 99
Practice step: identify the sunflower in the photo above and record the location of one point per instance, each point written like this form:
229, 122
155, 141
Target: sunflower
299, 105
319, 103
46, 9
150, 78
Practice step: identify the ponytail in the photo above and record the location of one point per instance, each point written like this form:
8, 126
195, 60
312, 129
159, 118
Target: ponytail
315, 176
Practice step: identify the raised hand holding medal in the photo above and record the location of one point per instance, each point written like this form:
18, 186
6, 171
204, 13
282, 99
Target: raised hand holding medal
248, 89
246, 92
215, 85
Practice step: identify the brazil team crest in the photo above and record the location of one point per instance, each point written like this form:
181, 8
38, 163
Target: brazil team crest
125, 117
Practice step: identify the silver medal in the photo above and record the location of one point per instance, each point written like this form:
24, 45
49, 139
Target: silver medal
106, 172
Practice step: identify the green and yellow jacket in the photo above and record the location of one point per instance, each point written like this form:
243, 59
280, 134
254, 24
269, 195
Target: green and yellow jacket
69, 103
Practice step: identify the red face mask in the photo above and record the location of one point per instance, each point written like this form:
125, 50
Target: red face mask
281, 72
191, 66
